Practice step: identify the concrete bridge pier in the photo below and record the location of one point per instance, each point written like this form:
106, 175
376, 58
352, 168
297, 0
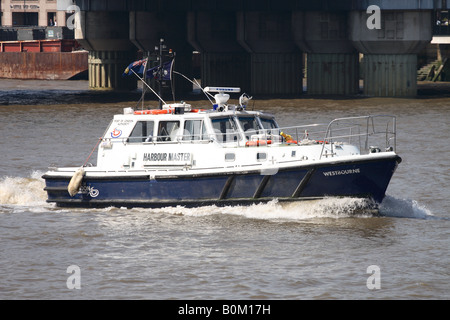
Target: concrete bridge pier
332, 61
105, 36
390, 52
275, 61
390, 75
223, 61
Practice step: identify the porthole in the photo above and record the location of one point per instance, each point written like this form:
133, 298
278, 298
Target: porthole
261, 156
230, 157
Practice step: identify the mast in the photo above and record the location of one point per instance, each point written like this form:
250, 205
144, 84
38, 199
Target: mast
159, 73
161, 66
144, 76
162, 52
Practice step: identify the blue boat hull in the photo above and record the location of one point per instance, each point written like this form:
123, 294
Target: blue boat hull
362, 179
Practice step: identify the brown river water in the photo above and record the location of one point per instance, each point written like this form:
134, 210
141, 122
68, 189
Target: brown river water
306, 250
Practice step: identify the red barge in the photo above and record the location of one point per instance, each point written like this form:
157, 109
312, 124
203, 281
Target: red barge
42, 59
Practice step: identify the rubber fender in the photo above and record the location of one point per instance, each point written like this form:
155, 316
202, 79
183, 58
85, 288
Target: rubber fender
75, 182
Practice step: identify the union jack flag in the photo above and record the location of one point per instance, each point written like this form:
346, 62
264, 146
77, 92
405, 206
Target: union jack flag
137, 66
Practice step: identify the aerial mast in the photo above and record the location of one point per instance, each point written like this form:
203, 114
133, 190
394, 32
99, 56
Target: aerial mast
162, 52
160, 73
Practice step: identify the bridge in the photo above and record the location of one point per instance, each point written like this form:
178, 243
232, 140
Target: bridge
260, 45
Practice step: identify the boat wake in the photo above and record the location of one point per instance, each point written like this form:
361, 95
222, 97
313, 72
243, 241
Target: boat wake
29, 192
274, 210
23, 191
404, 208
328, 208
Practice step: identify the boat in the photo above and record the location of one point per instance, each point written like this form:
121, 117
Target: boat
227, 154
58, 59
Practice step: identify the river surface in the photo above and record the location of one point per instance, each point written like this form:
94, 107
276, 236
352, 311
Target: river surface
306, 250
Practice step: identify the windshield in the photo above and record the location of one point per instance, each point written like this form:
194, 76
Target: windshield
249, 125
225, 129
268, 123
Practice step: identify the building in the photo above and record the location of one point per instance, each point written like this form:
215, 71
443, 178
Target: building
26, 13
36, 43
34, 20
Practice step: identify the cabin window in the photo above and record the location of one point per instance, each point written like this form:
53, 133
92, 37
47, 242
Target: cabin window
142, 132
168, 130
194, 130
268, 123
270, 126
225, 129
261, 156
249, 125
230, 157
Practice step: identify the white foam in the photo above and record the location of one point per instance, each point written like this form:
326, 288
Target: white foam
403, 208
303, 210
28, 191
274, 210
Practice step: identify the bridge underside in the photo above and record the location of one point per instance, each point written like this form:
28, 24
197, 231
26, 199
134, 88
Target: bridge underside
260, 46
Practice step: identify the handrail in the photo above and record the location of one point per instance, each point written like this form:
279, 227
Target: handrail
370, 130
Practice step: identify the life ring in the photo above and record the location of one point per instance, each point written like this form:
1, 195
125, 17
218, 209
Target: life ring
322, 142
153, 111
258, 143
163, 111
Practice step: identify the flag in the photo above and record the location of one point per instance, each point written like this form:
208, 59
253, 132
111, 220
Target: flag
137, 66
166, 71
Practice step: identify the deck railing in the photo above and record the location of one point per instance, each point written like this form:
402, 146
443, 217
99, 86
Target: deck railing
371, 133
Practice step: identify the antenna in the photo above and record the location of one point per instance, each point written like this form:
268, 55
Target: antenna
195, 82
161, 48
161, 51
144, 76
145, 83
